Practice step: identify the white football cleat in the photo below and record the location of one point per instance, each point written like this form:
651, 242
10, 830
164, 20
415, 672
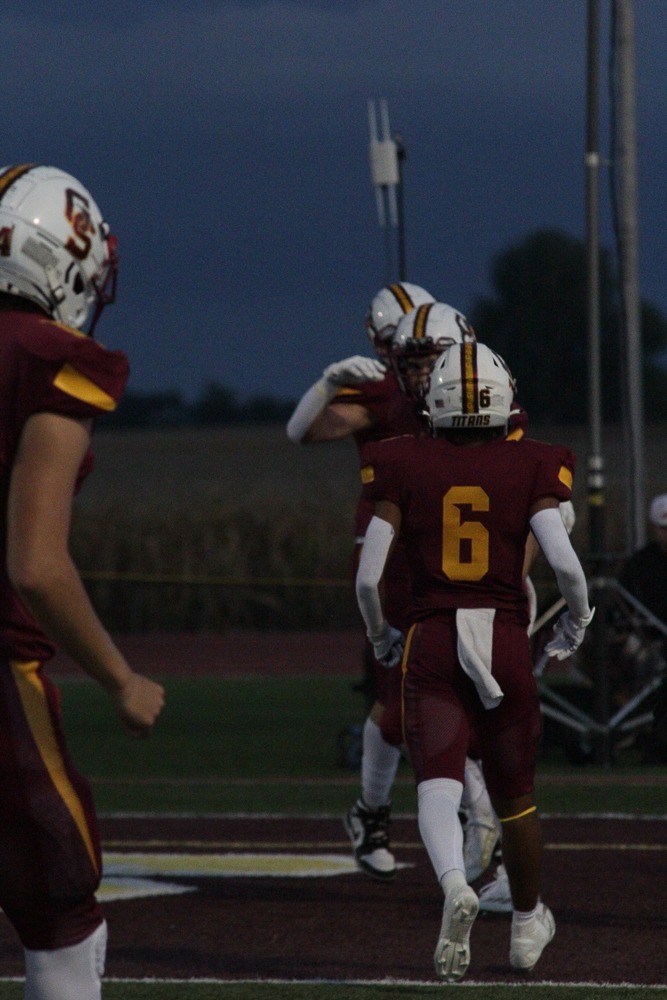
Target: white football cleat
495, 897
452, 953
531, 938
368, 832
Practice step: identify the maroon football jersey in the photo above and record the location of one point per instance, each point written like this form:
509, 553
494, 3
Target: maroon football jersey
44, 367
465, 514
394, 413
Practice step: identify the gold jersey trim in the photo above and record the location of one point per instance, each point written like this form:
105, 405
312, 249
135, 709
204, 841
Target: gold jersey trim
75, 384
368, 474
565, 476
36, 709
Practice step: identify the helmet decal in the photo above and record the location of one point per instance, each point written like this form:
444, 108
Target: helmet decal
421, 320
77, 213
402, 297
469, 379
12, 174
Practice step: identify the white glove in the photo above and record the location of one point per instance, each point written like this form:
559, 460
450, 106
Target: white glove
354, 371
568, 635
388, 646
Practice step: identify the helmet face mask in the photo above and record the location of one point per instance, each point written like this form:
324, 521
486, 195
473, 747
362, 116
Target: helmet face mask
386, 310
55, 248
420, 338
471, 388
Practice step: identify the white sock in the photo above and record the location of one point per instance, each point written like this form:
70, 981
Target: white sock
524, 916
439, 801
475, 799
453, 881
379, 762
474, 787
67, 973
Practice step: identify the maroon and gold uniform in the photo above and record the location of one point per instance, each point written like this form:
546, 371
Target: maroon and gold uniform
394, 413
50, 861
465, 520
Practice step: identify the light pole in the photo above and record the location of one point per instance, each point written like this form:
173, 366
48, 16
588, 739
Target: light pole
626, 161
386, 178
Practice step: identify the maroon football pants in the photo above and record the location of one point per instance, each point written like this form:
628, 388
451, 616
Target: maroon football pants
50, 860
443, 716
396, 605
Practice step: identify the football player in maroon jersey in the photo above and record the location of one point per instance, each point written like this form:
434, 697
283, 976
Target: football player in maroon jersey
57, 270
464, 501
361, 398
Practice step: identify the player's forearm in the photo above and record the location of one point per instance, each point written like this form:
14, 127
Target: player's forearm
374, 553
554, 541
60, 605
311, 405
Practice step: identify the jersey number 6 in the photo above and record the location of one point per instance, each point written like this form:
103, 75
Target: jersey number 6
465, 546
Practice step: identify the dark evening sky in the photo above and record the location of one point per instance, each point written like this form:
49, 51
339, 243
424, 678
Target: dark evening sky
226, 143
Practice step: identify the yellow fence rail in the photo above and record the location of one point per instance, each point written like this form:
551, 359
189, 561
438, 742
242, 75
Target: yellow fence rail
210, 581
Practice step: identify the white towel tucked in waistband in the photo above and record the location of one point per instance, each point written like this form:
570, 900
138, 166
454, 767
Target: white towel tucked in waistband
474, 646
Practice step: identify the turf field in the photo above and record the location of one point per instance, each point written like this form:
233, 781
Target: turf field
318, 991
268, 744
235, 906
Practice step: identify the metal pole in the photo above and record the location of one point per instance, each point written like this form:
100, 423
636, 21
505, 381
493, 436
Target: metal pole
596, 498
401, 155
628, 252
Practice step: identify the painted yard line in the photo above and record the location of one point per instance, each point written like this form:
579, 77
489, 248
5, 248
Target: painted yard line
662, 817
544, 984
544, 781
321, 845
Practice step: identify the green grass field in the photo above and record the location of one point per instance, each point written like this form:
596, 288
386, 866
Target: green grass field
316, 991
268, 745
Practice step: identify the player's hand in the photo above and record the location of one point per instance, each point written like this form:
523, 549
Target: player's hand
388, 646
354, 371
568, 635
138, 702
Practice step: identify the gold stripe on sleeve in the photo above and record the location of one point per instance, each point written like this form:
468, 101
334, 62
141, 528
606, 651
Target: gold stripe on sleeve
75, 384
565, 476
33, 699
368, 474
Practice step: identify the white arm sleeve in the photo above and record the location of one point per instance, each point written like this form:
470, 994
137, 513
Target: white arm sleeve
549, 530
309, 407
371, 567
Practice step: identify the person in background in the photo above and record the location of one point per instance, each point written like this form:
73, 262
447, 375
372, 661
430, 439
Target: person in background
645, 572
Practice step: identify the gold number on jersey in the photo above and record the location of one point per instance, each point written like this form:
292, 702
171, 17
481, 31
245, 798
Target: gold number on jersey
465, 546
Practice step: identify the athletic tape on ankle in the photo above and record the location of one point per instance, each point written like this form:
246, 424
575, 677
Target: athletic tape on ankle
508, 819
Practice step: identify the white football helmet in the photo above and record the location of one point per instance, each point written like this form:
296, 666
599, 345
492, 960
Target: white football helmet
55, 248
471, 387
423, 334
389, 305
